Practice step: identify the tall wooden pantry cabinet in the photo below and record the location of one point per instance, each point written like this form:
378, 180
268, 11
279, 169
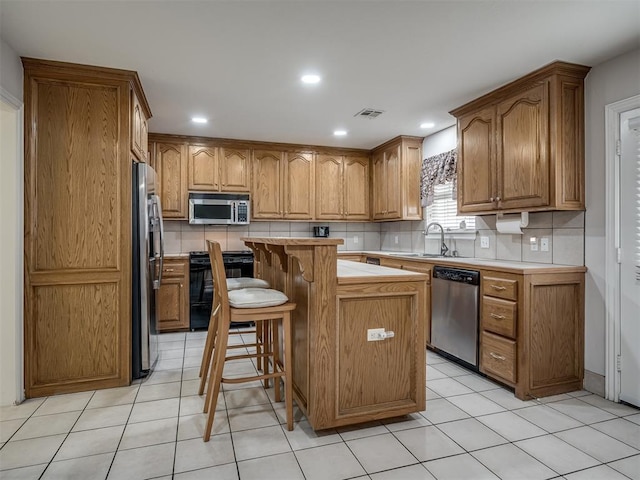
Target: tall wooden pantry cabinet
84, 126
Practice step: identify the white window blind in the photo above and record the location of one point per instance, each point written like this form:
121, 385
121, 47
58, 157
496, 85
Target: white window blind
445, 209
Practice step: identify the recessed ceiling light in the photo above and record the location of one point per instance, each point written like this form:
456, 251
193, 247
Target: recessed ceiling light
199, 120
340, 133
427, 125
312, 78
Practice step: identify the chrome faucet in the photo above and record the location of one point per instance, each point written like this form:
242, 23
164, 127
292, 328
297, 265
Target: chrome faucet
443, 247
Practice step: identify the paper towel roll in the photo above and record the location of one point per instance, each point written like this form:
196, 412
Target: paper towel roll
512, 223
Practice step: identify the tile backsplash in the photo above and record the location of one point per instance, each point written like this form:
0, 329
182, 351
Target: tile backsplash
181, 237
564, 231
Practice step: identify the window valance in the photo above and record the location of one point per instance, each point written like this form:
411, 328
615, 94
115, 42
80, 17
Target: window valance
437, 170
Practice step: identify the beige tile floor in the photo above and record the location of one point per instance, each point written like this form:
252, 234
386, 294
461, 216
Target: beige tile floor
472, 429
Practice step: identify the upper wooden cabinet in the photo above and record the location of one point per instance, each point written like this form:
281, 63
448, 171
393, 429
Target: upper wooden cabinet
282, 185
203, 168
396, 179
139, 126
78, 127
169, 159
235, 169
521, 147
219, 169
342, 187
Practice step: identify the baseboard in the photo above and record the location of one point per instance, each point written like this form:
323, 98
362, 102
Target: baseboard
594, 383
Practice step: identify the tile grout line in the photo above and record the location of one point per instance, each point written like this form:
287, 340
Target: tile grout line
175, 447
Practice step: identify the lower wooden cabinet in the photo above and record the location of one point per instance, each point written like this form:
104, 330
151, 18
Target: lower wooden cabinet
532, 331
498, 357
172, 300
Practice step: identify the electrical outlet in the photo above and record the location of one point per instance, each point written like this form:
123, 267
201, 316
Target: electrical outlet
484, 242
355, 239
544, 244
533, 242
395, 239
375, 334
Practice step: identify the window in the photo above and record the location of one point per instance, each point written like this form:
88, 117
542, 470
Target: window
444, 209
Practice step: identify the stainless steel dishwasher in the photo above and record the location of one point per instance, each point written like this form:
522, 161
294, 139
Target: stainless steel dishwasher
454, 313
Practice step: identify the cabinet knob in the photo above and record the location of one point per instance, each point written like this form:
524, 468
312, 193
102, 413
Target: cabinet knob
180, 285
498, 199
491, 199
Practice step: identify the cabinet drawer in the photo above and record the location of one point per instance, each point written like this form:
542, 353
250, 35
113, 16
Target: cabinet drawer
499, 316
498, 357
500, 287
173, 268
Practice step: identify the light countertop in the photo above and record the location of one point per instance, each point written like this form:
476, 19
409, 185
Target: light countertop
355, 272
501, 265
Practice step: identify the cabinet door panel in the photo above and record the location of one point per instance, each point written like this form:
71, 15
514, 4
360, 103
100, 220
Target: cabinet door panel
137, 121
392, 173
356, 188
267, 175
203, 169
411, 167
329, 187
171, 298
556, 317
523, 160
75, 202
171, 165
299, 186
361, 363
235, 169
379, 186
476, 164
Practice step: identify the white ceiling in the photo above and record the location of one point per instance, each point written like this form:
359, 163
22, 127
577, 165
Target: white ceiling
239, 62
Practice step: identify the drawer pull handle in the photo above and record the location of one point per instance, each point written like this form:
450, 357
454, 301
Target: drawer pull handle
168, 269
495, 315
498, 287
497, 357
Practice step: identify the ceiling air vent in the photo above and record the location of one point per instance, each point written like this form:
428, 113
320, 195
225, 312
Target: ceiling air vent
368, 113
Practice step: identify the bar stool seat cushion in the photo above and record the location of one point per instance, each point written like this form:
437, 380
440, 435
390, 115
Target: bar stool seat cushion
246, 282
256, 298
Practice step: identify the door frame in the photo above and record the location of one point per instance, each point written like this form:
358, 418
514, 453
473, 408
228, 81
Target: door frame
18, 106
612, 243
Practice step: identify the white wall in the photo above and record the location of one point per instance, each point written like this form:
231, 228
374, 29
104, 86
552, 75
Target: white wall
614, 80
439, 142
10, 70
11, 218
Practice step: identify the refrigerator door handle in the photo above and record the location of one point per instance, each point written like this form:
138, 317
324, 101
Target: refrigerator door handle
157, 214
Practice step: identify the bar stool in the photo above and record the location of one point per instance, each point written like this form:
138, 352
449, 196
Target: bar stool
232, 284
262, 306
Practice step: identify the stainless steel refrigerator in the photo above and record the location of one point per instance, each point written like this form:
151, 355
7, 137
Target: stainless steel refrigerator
147, 257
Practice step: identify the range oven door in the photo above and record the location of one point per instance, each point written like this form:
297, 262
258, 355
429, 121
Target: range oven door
236, 264
200, 291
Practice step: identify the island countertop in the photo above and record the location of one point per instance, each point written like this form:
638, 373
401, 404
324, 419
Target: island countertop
356, 272
295, 240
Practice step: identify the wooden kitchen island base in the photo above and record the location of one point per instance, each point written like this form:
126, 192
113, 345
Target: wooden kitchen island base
340, 377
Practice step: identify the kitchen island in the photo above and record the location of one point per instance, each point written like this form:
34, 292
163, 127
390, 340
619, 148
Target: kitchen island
343, 373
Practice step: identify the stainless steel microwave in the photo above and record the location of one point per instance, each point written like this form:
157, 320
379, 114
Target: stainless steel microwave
219, 208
